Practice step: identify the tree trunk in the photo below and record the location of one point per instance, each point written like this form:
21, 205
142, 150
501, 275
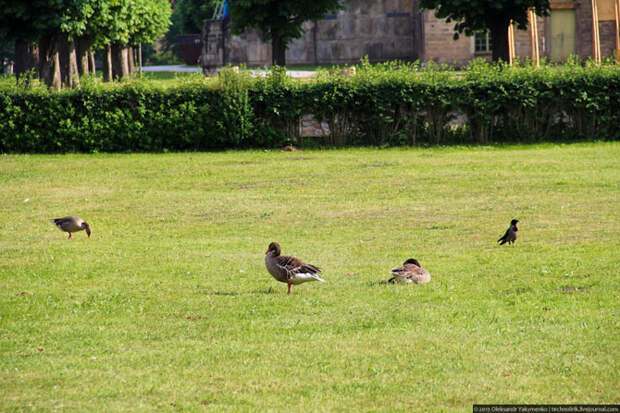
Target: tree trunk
68, 63
130, 60
499, 37
49, 65
91, 63
107, 64
26, 59
140, 58
278, 51
82, 46
120, 66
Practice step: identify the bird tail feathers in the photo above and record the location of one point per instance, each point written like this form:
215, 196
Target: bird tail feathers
316, 277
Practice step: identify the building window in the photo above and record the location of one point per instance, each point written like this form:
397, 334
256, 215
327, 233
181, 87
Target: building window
482, 42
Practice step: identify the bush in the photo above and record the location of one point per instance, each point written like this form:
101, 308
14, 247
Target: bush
387, 104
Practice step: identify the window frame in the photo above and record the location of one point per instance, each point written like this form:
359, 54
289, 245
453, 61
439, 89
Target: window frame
487, 42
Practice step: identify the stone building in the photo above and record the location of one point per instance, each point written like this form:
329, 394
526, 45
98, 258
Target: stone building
399, 29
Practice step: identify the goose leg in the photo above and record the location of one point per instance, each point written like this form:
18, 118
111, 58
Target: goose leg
289, 289
69, 236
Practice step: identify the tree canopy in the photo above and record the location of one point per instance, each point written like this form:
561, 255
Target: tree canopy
189, 14
59, 25
493, 15
279, 20
128, 22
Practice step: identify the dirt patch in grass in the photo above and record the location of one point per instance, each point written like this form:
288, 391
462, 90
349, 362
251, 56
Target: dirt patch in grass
290, 148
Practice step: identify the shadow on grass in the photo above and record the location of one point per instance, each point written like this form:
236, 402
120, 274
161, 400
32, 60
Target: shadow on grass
269, 290
379, 283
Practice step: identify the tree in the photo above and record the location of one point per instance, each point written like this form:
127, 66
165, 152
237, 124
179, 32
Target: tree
29, 22
116, 25
493, 15
52, 24
279, 20
74, 20
151, 20
60, 27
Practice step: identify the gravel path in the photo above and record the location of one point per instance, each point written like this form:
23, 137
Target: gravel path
257, 72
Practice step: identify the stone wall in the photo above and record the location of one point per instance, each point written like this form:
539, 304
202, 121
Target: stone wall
387, 30
583, 31
607, 32
381, 30
523, 47
438, 43
212, 42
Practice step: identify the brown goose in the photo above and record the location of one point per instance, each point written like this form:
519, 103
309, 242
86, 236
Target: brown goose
71, 224
410, 272
289, 270
511, 233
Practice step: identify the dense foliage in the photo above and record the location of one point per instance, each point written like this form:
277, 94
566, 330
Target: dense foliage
492, 15
387, 104
66, 31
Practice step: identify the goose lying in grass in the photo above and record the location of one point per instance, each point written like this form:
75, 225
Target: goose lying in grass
410, 272
289, 270
72, 224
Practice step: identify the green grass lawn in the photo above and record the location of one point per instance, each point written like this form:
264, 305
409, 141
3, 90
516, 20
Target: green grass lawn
169, 304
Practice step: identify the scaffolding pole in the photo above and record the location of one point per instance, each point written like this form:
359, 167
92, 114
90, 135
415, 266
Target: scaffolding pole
596, 39
511, 43
534, 50
617, 10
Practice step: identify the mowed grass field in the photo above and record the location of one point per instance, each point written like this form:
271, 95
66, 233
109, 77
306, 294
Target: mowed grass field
169, 305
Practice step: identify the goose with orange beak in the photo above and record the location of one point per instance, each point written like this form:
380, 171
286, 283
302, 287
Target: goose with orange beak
289, 270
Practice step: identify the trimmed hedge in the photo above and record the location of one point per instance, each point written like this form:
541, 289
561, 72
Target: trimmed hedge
386, 104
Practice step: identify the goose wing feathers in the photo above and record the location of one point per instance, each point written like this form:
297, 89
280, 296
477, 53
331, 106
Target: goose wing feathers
294, 265
68, 223
410, 273
407, 269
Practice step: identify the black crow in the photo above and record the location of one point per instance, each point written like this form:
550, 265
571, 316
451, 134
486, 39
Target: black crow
511, 233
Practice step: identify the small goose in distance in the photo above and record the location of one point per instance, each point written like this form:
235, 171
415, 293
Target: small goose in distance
511, 233
410, 272
289, 270
72, 224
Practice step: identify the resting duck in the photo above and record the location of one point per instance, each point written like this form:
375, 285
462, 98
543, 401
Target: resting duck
72, 224
410, 272
289, 270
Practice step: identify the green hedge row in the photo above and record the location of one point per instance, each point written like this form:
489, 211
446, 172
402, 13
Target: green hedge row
387, 104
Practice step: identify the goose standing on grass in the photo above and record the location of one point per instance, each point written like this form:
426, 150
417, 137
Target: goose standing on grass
289, 270
511, 233
410, 272
72, 224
